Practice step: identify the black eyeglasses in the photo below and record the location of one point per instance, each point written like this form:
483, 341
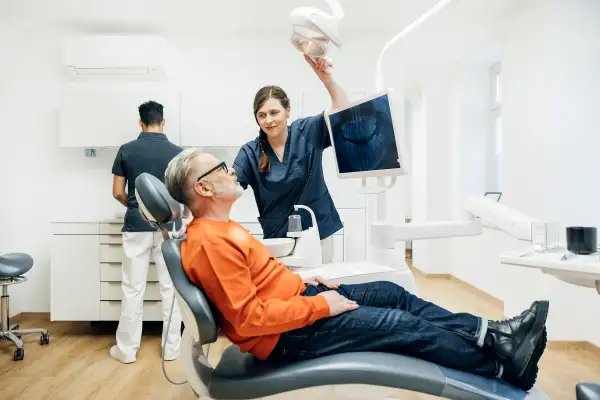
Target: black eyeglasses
221, 165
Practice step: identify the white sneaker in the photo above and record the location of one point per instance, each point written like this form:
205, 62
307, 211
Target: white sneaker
171, 356
119, 355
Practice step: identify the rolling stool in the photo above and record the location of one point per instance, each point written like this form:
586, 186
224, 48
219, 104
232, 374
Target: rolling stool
12, 267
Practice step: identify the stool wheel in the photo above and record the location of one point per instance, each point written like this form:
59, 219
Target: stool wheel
45, 338
19, 354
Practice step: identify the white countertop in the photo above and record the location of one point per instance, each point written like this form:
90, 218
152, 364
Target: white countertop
575, 266
243, 220
88, 221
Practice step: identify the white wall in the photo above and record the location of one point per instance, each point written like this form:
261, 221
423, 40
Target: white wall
449, 144
44, 183
552, 53
550, 58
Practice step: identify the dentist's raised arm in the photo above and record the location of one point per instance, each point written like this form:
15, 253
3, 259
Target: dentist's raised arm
322, 66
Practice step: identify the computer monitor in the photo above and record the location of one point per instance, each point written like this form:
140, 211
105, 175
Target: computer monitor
364, 138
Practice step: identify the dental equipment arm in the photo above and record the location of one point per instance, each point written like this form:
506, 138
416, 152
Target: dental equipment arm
409, 28
480, 210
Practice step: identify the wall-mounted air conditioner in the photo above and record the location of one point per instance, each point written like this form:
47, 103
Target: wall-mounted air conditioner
116, 56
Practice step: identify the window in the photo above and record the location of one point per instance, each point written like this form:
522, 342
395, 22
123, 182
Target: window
496, 137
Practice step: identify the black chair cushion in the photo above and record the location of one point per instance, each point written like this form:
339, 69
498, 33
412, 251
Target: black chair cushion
191, 294
587, 391
15, 264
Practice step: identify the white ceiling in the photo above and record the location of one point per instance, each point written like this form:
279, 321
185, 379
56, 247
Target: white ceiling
176, 16
440, 41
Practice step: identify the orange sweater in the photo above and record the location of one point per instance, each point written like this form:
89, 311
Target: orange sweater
257, 296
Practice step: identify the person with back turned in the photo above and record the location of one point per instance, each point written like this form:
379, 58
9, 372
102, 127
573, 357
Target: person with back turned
151, 153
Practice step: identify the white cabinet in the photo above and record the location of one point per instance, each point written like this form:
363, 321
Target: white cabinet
86, 260
75, 276
85, 278
217, 118
107, 115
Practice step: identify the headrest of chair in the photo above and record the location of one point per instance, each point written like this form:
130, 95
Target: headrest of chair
155, 202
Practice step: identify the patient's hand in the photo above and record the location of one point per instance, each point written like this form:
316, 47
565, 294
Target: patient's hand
317, 280
338, 304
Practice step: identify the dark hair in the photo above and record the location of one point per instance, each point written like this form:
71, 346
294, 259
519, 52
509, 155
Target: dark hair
151, 113
261, 97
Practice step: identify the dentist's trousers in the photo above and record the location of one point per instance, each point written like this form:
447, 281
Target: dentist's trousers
138, 248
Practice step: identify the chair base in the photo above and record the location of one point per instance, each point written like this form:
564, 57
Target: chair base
14, 335
12, 332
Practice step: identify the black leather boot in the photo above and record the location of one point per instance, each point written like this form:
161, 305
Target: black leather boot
526, 380
515, 340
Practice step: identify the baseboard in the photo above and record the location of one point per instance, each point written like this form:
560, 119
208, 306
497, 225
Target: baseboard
489, 297
568, 345
429, 275
573, 345
34, 315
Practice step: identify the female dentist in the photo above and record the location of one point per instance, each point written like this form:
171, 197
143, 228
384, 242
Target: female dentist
284, 164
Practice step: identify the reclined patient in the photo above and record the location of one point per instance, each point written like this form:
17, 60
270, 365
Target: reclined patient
270, 312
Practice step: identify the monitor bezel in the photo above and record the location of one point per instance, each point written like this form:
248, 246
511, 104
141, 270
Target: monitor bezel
369, 174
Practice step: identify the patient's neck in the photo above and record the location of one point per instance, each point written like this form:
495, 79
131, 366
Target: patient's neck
218, 211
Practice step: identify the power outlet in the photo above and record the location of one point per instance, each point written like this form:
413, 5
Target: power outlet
90, 152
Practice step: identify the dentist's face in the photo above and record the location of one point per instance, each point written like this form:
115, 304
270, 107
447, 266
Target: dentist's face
272, 117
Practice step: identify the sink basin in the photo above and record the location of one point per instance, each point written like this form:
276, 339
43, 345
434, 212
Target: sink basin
279, 247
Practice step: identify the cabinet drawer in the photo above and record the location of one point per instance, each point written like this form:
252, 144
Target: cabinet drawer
111, 253
110, 229
111, 272
112, 291
111, 310
111, 239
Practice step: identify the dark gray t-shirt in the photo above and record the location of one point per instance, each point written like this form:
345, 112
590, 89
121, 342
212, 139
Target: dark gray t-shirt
151, 153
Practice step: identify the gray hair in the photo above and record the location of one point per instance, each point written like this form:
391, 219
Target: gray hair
177, 173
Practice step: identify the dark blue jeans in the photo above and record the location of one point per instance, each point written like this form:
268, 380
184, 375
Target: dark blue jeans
390, 319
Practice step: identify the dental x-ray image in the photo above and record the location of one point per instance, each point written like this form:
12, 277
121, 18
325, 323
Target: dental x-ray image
363, 137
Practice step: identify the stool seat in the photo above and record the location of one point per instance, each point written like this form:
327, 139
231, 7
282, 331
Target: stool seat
15, 264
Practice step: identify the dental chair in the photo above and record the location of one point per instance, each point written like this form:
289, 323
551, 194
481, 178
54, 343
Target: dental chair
587, 391
360, 375
13, 266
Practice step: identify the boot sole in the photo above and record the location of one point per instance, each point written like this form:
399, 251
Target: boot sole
530, 375
534, 335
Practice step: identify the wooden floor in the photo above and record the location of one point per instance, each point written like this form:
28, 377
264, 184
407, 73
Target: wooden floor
76, 364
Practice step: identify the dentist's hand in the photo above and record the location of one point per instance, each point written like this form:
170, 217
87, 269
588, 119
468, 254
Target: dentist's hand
338, 304
317, 280
322, 67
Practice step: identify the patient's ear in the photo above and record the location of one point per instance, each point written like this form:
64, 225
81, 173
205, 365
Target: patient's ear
204, 188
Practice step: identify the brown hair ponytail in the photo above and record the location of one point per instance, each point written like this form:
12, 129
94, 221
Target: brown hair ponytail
263, 163
260, 99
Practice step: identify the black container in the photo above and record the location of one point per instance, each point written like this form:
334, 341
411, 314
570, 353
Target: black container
582, 240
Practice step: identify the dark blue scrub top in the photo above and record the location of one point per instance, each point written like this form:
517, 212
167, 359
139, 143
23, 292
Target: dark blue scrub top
298, 180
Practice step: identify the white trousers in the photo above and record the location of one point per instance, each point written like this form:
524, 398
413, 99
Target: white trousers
138, 247
327, 250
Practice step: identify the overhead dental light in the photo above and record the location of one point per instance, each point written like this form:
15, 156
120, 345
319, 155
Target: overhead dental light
313, 30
